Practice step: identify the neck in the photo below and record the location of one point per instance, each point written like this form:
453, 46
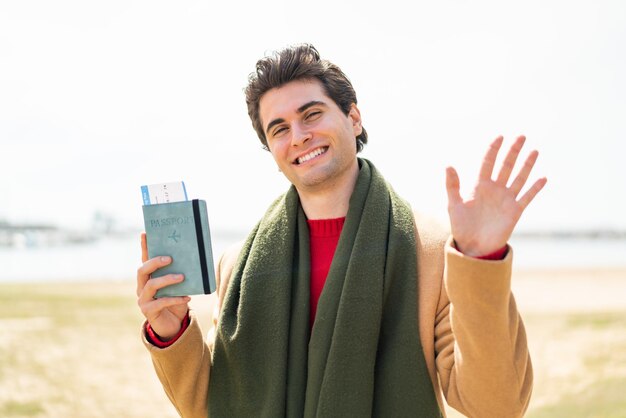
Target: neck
332, 200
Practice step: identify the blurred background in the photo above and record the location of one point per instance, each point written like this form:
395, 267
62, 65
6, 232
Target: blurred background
99, 98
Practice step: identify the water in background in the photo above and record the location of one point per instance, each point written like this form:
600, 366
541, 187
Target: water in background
104, 259
119, 258
572, 252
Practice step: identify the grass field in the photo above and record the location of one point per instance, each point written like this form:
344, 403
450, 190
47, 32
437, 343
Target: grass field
73, 350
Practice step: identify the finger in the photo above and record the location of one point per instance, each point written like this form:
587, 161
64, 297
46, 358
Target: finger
144, 248
522, 176
149, 290
453, 186
489, 161
532, 192
149, 267
153, 308
509, 161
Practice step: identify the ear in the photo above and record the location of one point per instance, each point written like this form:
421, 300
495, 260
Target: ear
355, 117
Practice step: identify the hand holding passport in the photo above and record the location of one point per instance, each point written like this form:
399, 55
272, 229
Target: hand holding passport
165, 316
179, 228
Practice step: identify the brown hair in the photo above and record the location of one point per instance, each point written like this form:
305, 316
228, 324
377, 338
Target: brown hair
298, 62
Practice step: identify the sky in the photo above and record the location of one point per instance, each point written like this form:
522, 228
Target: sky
98, 98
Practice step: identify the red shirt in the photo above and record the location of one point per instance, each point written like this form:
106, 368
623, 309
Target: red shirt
323, 238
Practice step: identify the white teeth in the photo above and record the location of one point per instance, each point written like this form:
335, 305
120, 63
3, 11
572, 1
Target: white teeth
312, 154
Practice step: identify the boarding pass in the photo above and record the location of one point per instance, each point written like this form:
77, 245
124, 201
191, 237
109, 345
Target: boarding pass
164, 193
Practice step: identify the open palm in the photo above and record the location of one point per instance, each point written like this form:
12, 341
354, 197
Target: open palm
483, 223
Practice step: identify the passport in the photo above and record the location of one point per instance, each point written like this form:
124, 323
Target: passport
181, 230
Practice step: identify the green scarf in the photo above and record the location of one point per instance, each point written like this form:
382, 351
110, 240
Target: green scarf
363, 356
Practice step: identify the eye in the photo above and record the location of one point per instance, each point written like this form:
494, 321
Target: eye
314, 115
279, 130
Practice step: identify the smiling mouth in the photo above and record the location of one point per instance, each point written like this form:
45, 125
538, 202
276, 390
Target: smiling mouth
316, 152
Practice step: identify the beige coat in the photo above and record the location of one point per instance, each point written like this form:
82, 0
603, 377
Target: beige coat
473, 337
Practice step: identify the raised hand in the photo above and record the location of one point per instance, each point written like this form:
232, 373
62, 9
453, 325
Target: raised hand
483, 223
165, 315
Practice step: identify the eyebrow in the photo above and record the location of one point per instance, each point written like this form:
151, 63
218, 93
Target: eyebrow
301, 109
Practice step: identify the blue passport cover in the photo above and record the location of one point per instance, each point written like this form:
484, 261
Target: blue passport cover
181, 230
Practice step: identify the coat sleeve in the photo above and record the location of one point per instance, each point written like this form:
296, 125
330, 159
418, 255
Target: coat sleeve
482, 356
184, 367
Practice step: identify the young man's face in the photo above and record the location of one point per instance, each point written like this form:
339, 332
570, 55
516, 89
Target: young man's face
311, 139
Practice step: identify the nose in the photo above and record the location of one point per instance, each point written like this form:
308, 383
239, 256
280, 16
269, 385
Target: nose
299, 135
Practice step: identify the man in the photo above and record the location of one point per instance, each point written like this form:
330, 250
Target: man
342, 302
